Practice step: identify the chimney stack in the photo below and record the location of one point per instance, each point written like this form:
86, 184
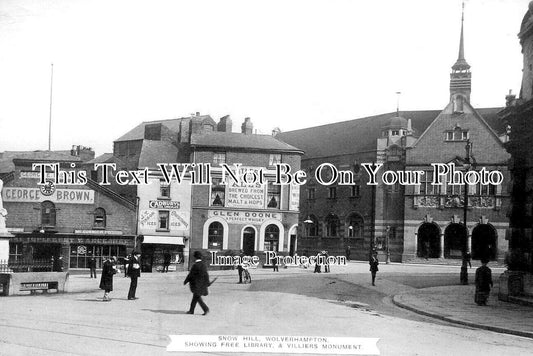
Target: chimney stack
247, 127
225, 124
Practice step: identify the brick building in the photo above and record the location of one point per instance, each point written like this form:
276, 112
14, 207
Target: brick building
73, 221
406, 221
223, 218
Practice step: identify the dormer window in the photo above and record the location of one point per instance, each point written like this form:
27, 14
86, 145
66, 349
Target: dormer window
395, 133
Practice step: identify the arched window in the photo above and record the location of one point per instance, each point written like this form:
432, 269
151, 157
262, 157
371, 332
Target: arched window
332, 225
272, 238
215, 236
99, 218
355, 226
48, 213
311, 226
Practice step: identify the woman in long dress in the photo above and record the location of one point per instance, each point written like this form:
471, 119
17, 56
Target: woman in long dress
106, 282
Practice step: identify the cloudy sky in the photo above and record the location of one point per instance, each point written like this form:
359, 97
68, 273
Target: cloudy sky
285, 63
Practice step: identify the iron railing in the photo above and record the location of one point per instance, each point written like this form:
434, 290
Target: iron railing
11, 266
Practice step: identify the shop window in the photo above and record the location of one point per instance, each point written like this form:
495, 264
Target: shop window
332, 225
99, 218
163, 220
164, 189
217, 192
15, 251
272, 238
274, 195
80, 254
274, 159
215, 236
48, 214
219, 158
312, 226
355, 226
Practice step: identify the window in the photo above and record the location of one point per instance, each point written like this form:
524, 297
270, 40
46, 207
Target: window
332, 225
312, 227
485, 190
218, 192
426, 188
15, 251
355, 226
271, 238
163, 220
219, 158
48, 213
457, 135
164, 189
80, 254
274, 195
395, 133
355, 190
274, 159
332, 192
311, 193
99, 218
215, 236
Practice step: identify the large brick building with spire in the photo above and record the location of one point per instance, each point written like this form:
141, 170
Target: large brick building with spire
407, 222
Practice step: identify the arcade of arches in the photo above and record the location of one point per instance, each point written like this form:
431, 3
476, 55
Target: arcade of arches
433, 243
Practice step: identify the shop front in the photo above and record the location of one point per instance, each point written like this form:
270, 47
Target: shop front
155, 249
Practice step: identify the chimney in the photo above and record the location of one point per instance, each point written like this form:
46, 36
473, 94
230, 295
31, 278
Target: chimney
276, 131
247, 127
197, 113
510, 99
74, 151
225, 124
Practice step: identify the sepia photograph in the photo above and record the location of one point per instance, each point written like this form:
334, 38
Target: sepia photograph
232, 177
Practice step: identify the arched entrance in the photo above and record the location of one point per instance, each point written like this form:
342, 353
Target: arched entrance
455, 240
272, 238
484, 238
248, 241
428, 241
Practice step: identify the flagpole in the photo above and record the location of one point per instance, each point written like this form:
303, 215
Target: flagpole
50, 119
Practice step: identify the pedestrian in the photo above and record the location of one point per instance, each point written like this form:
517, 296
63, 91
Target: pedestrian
483, 282
198, 280
464, 268
126, 263
134, 272
374, 266
348, 252
275, 263
318, 263
240, 267
106, 280
326, 262
166, 261
92, 266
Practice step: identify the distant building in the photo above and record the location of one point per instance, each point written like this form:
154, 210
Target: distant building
60, 219
407, 221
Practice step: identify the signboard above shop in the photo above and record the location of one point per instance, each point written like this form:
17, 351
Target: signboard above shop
163, 204
244, 217
34, 195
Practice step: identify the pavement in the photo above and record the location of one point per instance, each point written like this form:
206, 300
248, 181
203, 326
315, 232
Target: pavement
79, 323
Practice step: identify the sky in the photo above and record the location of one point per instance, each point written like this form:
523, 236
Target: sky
284, 63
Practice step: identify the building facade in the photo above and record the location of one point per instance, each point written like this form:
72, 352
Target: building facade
62, 219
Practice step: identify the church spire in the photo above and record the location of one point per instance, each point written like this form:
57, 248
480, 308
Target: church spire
460, 77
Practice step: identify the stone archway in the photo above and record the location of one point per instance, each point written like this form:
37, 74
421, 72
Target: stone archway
428, 241
484, 242
455, 240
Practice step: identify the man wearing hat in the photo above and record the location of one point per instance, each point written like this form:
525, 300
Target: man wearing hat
134, 272
198, 280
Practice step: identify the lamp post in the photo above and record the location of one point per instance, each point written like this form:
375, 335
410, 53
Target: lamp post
467, 166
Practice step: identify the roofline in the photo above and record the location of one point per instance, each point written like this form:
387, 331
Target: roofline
295, 151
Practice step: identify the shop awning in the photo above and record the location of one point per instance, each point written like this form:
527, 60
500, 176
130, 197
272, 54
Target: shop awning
166, 240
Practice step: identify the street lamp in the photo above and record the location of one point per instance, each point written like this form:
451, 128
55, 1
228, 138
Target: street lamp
467, 165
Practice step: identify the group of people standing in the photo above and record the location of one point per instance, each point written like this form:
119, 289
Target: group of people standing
132, 264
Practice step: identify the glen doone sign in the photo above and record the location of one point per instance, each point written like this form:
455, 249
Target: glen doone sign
244, 217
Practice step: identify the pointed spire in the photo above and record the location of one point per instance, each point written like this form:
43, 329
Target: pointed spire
461, 63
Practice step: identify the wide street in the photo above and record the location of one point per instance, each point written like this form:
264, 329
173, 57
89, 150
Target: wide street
293, 302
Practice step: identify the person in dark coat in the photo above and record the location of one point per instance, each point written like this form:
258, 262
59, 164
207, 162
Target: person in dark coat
134, 272
92, 266
348, 252
275, 267
483, 283
198, 280
374, 266
464, 268
106, 280
166, 261
326, 262
318, 263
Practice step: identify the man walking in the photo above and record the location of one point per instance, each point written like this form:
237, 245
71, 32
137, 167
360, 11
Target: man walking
483, 282
134, 272
374, 266
198, 280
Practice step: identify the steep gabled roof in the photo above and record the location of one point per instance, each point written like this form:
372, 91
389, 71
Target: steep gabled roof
359, 135
241, 141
